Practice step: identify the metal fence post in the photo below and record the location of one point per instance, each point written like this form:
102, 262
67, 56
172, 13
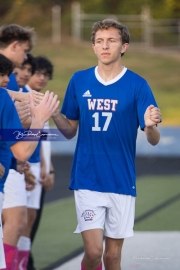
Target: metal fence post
76, 20
146, 26
56, 24
179, 33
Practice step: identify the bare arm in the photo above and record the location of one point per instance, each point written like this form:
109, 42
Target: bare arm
50, 179
43, 174
152, 117
67, 127
21, 96
152, 134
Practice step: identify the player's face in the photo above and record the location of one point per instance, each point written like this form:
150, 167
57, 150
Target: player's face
23, 74
39, 80
19, 53
4, 79
108, 46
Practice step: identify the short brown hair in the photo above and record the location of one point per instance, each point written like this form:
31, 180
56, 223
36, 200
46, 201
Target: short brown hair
13, 32
106, 24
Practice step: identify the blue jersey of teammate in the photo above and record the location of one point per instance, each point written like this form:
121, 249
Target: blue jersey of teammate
12, 84
109, 115
36, 155
9, 120
24, 89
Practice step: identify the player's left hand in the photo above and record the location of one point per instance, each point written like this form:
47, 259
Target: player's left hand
2, 170
37, 96
22, 166
49, 183
152, 116
23, 110
43, 111
30, 180
43, 175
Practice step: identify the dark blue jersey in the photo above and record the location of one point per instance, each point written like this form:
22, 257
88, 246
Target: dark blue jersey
9, 119
12, 84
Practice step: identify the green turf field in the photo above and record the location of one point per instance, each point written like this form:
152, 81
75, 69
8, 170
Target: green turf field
161, 71
55, 238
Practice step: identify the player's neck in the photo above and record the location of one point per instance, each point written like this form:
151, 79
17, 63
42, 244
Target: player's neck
5, 52
109, 72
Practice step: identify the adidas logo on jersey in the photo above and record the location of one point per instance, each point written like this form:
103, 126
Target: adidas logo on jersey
87, 94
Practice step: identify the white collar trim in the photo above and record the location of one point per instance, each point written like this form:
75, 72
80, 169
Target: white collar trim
119, 76
28, 87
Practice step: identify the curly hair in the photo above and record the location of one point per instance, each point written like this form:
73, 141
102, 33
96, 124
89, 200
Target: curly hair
13, 32
6, 66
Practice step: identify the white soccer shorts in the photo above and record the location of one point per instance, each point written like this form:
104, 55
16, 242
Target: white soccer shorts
14, 190
112, 212
33, 197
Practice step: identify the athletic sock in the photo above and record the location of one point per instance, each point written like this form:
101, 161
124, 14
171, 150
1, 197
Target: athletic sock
82, 267
10, 256
24, 246
99, 268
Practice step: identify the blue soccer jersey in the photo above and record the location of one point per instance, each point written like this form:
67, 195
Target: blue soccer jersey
9, 120
12, 84
109, 115
36, 155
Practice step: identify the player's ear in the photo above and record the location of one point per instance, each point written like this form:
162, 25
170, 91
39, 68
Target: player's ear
125, 46
93, 47
14, 45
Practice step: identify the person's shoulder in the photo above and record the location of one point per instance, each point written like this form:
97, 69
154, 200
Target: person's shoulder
134, 76
3, 93
6, 101
12, 84
84, 72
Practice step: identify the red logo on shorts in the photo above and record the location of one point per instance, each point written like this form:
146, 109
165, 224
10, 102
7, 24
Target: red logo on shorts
88, 215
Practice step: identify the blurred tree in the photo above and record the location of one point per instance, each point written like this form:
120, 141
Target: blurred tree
5, 6
111, 6
33, 12
176, 12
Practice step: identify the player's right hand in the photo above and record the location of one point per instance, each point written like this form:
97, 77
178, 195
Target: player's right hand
46, 108
30, 180
2, 170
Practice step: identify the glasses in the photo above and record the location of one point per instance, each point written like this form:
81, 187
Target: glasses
45, 74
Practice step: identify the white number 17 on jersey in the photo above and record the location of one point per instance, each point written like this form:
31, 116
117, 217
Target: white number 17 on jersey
96, 127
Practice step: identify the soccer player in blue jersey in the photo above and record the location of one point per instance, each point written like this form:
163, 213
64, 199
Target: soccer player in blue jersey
15, 42
108, 103
21, 150
43, 72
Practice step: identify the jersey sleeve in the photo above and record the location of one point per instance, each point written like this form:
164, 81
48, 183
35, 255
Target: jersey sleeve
9, 116
145, 98
70, 106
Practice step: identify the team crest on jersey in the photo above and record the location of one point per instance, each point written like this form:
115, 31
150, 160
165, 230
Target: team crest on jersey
88, 215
